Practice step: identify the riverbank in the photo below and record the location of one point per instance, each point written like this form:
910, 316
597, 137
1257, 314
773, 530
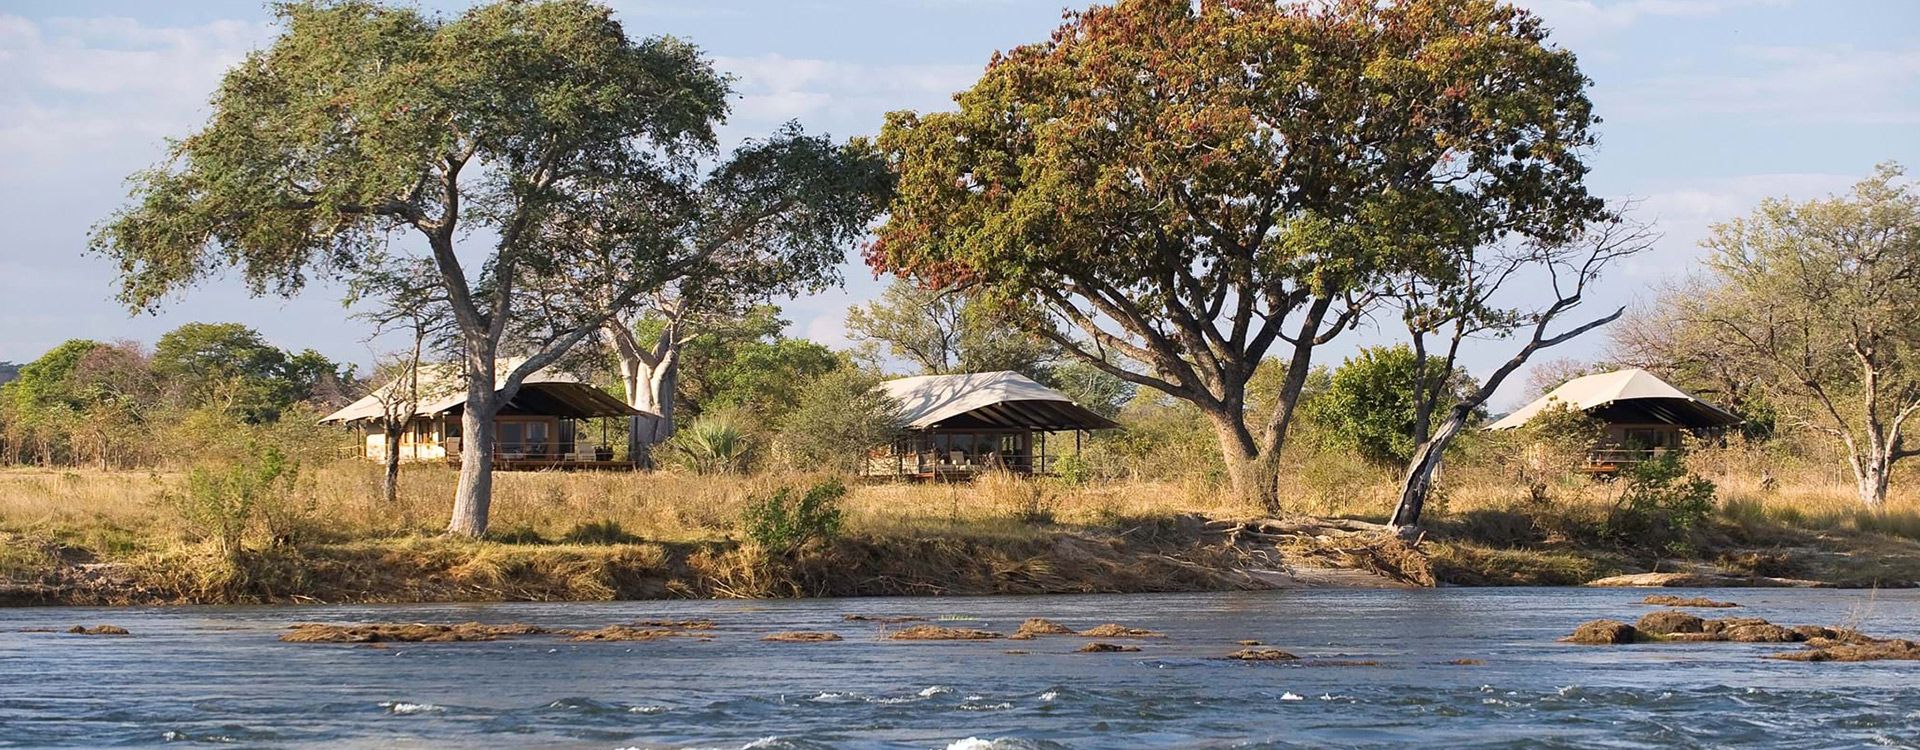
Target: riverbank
117, 539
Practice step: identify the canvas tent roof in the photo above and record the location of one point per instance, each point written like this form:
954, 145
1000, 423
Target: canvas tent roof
441, 391
1628, 395
989, 400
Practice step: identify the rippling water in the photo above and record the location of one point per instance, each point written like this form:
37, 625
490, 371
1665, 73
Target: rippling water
218, 675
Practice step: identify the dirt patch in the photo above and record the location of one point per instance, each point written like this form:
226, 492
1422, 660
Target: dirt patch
1669, 622
1602, 632
1116, 630
939, 633
98, 630
1248, 642
1105, 648
1669, 600
314, 632
1262, 654
801, 637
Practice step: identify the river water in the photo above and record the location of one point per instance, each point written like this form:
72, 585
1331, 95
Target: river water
219, 675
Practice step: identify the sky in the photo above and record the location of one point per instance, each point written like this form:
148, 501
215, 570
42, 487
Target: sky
1709, 106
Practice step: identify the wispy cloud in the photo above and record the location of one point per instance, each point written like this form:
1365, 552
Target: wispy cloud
775, 88
1591, 18
1834, 84
70, 86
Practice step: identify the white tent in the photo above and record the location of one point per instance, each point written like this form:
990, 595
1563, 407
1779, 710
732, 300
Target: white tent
988, 399
1640, 395
443, 388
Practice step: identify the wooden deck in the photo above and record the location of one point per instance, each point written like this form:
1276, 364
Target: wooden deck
528, 463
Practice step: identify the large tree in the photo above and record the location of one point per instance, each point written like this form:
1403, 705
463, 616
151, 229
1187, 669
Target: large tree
1820, 301
775, 218
1199, 186
365, 132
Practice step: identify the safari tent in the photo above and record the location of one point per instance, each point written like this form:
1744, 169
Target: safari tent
1643, 414
958, 426
549, 424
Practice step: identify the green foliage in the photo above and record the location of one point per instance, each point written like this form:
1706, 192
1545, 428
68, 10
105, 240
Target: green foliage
1660, 505
780, 524
1817, 301
1369, 404
840, 417
948, 331
715, 443
1193, 184
224, 502
232, 367
743, 363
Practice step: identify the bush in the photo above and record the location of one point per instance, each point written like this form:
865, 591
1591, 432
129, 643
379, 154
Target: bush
839, 419
224, 502
713, 444
1661, 505
780, 524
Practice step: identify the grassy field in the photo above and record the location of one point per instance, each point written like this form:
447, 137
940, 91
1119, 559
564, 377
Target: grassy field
119, 536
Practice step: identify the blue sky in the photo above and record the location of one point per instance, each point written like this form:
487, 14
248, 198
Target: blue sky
1710, 105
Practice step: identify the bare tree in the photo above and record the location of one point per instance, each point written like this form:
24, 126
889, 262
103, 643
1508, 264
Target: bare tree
1443, 309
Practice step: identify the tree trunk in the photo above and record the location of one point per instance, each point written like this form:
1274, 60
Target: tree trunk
1254, 473
1423, 471
649, 388
390, 482
474, 498
1870, 479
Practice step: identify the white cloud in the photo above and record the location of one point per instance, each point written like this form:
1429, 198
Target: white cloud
68, 86
775, 88
1836, 84
1591, 18
1684, 212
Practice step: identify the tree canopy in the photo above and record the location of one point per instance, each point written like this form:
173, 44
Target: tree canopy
1818, 300
1193, 185
535, 127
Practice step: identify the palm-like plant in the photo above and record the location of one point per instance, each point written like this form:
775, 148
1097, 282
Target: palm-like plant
712, 444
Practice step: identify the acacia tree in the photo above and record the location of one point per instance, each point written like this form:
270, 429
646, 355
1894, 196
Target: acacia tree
1476, 293
948, 331
1819, 301
776, 218
1199, 186
362, 123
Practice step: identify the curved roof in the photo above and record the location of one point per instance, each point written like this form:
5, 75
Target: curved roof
1631, 391
443, 390
988, 399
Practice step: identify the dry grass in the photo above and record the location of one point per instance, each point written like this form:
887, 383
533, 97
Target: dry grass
608, 535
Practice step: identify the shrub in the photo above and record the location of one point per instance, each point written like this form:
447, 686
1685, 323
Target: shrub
780, 524
837, 421
1661, 505
224, 502
713, 444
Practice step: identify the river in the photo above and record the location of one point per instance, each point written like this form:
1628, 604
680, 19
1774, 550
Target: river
219, 675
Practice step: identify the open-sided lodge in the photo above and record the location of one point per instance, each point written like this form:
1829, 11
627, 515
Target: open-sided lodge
959, 426
549, 424
1643, 415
